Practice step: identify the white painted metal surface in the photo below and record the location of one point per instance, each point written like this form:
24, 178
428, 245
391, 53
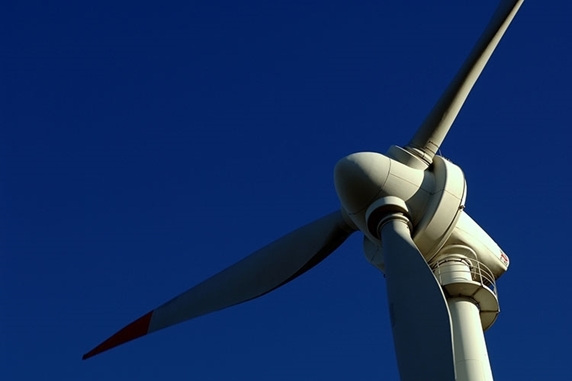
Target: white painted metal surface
467, 232
466, 291
471, 356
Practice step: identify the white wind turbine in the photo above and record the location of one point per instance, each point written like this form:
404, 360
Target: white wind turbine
440, 265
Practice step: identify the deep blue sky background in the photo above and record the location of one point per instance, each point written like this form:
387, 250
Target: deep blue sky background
145, 147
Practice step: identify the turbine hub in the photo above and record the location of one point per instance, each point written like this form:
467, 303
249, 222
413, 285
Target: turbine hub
434, 197
359, 179
364, 177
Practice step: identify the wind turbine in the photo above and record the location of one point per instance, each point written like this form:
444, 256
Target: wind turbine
440, 265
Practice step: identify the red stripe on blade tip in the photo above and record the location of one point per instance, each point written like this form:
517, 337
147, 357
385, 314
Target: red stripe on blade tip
138, 328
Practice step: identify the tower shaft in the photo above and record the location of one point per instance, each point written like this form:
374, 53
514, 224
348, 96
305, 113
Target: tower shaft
473, 306
471, 356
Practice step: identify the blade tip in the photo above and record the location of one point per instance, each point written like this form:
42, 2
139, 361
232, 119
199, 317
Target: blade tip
86, 356
134, 330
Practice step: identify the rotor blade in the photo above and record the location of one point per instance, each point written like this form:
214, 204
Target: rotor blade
261, 272
432, 132
420, 318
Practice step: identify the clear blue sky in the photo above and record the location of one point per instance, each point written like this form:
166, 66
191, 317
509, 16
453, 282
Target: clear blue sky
145, 147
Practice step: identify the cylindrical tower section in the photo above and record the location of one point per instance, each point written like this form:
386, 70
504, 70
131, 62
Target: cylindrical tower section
470, 291
471, 356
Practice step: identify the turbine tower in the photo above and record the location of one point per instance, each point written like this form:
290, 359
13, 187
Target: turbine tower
440, 265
